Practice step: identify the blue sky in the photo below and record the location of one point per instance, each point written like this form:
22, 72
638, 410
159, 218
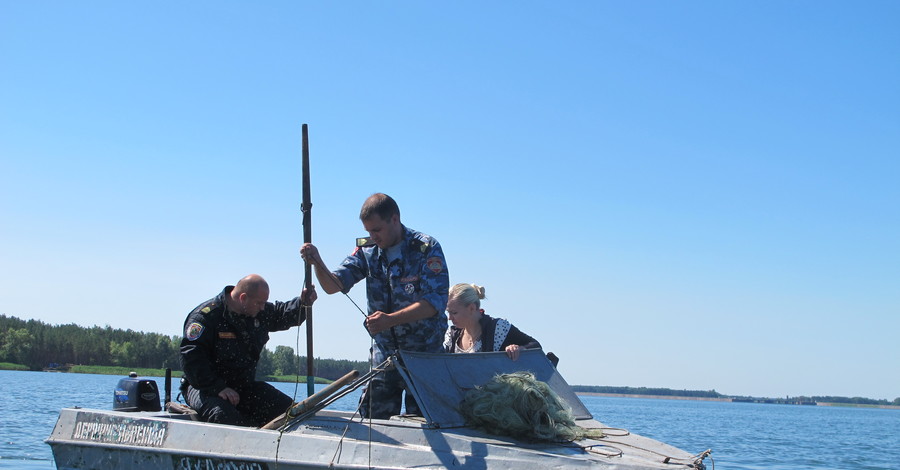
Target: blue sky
697, 195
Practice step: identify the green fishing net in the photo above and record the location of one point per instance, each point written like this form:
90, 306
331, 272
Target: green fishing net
520, 406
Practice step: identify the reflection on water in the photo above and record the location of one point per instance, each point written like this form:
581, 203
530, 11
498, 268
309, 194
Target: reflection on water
744, 436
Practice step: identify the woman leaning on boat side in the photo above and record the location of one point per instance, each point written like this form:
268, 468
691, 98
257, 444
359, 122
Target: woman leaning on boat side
474, 331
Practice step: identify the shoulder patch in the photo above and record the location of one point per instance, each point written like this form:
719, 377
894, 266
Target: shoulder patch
193, 331
205, 309
421, 245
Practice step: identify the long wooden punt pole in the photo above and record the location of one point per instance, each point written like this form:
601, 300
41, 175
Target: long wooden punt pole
307, 238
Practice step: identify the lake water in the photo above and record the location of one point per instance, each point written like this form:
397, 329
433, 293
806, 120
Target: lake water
742, 435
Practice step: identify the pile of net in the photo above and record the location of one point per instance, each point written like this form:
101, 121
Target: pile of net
520, 406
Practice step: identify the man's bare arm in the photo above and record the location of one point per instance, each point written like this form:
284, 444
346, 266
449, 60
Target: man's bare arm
329, 282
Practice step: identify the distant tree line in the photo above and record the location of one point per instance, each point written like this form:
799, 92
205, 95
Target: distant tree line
663, 392
849, 401
37, 345
668, 392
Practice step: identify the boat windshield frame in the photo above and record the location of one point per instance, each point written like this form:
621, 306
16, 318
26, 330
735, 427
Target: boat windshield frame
440, 381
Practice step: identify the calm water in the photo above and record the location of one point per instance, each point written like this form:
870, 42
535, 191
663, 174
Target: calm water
742, 435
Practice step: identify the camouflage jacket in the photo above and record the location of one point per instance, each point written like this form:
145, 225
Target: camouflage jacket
420, 274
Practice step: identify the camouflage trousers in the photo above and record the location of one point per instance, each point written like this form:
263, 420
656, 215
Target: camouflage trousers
383, 397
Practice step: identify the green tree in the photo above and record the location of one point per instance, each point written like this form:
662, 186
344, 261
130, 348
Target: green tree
284, 361
266, 364
123, 354
16, 345
173, 354
35, 344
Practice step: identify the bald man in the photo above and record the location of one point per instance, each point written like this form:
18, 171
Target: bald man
223, 339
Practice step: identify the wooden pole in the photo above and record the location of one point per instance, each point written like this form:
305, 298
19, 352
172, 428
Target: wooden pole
307, 238
311, 401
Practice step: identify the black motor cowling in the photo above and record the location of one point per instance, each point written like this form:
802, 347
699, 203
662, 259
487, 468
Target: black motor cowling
136, 394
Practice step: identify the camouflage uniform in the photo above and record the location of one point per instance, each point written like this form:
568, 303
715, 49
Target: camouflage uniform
221, 348
420, 274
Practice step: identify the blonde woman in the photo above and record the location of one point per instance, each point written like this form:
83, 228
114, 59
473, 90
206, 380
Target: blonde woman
474, 331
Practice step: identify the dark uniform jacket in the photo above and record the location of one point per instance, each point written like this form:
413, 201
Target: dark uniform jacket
220, 348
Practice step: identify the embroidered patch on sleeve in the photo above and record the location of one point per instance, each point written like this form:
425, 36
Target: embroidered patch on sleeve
435, 264
193, 331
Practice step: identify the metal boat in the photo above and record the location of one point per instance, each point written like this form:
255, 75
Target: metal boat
318, 438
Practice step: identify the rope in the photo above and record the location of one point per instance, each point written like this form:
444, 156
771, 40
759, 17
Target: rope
296, 388
340, 444
369, 387
369, 395
591, 448
696, 461
354, 304
350, 388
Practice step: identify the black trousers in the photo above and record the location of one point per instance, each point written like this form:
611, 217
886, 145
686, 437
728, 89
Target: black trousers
259, 404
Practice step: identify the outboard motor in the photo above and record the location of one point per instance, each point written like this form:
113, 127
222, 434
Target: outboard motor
135, 394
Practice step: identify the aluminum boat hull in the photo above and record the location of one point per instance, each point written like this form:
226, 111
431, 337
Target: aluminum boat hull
439, 438
100, 439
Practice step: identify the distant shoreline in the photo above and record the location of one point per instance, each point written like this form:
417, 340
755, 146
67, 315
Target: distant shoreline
854, 405
660, 397
672, 397
124, 371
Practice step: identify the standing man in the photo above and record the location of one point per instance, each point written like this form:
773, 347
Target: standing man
223, 338
406, 285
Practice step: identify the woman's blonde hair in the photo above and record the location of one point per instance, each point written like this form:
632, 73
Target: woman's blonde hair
467, 294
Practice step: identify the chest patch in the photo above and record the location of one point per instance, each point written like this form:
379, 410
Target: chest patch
193, 331
435, 264
227, 335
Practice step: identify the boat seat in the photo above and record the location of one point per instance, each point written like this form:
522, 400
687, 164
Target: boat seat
409, 418
182, 409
